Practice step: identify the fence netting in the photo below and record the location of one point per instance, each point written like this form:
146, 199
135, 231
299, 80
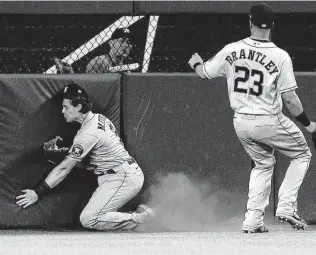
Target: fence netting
33, 43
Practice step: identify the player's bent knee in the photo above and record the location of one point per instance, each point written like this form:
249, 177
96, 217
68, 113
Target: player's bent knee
89, 220
86, 219
304, 156
266, 164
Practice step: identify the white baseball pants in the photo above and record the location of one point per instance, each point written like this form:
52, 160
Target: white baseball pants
260, 136
113, 192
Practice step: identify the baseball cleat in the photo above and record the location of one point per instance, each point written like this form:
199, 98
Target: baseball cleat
295, 221
143, 213
143, 208
261, 229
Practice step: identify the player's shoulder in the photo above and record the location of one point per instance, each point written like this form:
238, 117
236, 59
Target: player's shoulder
90, 133
283, 53
280, 54
90, 125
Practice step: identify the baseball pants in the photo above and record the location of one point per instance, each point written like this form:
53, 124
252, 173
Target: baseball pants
113, 192
260, 136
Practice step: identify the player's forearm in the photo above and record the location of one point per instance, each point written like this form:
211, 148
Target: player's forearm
294, 106
55, 177
199, 71
58, 174
196, 63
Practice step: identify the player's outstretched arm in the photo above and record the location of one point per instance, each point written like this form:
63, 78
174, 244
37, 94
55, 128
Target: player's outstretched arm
58, 174
294, 105
196, 63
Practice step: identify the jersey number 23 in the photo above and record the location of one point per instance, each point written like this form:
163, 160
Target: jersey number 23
256, 87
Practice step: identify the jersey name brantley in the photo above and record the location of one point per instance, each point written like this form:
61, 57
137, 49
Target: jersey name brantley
254, 55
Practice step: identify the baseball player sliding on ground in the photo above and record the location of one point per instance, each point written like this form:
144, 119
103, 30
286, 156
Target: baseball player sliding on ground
259, 75
119, 176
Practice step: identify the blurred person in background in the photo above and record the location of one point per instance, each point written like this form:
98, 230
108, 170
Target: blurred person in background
120, 46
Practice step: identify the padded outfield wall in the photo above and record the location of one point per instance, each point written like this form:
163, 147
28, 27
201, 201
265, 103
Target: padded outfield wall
30, 114
177, 122
173, 124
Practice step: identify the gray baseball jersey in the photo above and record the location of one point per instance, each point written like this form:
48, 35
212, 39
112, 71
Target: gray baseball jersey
98, 139
257, 72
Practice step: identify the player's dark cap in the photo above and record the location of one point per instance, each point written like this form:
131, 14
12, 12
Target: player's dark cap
121, 33
74, 90
78, 95
262, 16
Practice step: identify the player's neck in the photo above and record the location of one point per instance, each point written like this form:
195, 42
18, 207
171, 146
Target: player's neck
84, 117
261, 35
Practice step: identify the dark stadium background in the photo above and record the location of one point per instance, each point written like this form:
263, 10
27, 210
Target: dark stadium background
29, 42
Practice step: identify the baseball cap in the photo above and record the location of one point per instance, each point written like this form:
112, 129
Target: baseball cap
75, 90
262, 16
121, 33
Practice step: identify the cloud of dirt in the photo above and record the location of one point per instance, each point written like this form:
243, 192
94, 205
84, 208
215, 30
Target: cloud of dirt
183, 204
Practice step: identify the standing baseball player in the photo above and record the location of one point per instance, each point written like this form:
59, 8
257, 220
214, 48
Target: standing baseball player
259, 75
120, 45
119, 176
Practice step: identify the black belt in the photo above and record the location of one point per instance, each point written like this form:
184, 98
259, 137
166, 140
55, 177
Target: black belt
111, 171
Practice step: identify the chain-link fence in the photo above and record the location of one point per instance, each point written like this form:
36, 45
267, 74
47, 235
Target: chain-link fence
116, 43
77, 43
82, 43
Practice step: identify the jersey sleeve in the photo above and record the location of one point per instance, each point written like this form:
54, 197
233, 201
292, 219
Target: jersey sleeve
81, 146
215, 67
286, 80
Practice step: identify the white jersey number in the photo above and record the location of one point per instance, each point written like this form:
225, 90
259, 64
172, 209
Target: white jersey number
257, 80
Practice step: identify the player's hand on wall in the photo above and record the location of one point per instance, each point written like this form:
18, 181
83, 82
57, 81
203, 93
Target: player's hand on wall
28, 198
195, 59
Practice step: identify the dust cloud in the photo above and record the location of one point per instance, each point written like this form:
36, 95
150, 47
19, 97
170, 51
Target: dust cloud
184, 204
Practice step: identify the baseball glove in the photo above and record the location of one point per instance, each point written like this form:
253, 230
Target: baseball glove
54, 152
